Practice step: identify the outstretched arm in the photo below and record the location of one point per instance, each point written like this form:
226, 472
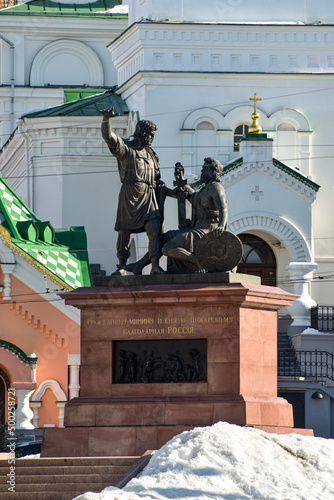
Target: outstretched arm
172, 193
106, 130
188, 191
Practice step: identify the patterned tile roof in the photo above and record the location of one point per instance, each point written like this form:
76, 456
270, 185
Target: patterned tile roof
60, 254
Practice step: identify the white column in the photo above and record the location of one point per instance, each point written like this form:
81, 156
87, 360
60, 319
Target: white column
34, 368
187, 159
61, 406
300, 276
74, 386
223, 152
304, 152
7, 270
35, 405
23, 413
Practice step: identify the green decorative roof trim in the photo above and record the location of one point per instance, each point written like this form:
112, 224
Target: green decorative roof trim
100, 8
89, 106
232, 166
61, 254
18, 352
256, 137
71, 95
294, 173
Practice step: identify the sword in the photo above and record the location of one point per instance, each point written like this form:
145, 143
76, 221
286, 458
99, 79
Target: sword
180, 182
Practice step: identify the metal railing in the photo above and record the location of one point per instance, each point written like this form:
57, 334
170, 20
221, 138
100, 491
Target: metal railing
322, 318
317, 365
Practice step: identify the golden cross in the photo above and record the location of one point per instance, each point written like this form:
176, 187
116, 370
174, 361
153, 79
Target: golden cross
255, 99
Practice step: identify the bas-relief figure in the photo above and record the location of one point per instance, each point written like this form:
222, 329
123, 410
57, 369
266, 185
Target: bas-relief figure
160, 361
141, 208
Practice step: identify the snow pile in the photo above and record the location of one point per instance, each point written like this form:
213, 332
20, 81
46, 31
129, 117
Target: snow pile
233, 463
119, 9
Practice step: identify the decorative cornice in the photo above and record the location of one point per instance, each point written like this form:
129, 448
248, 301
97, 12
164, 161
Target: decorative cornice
232, 166
8, 346
222, 48
276, 225
74, 359
280, 172
296, 175
55, 388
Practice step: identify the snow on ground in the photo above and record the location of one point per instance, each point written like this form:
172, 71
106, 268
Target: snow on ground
228, 462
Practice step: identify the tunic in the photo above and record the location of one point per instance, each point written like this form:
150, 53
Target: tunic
138, 169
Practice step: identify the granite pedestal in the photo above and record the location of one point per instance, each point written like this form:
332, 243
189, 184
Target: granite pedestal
213, 357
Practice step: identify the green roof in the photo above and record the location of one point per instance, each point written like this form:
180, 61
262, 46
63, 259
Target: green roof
99, 8
60, 254
71, 95
89, 106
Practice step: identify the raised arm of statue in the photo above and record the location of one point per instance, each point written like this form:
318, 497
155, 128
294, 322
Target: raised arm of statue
106, 129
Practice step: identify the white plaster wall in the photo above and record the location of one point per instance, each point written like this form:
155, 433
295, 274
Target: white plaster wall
319, 412
30, 34
76, 180
276, 199
232, 10
167, 99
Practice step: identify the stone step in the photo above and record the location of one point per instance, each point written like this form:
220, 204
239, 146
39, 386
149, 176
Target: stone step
54, 487
69, 478
66, 478
71, 469
70, 494
80, 461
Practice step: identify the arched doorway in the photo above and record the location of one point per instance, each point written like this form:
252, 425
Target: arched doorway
257, 259
2, 402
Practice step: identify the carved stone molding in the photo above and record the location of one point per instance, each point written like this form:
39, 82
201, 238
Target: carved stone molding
277, 225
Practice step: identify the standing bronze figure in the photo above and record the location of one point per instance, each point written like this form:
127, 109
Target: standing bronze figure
138, 210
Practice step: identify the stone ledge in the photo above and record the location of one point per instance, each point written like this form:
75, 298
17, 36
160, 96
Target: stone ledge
179, 279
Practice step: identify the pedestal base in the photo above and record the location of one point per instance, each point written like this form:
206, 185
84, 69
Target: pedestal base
161, 359
99, 431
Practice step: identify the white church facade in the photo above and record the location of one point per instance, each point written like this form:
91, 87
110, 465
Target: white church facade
192, 69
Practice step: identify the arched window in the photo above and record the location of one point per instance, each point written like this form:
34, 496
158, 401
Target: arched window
286, 127
66, 62
239, 132
257, 259
205, 126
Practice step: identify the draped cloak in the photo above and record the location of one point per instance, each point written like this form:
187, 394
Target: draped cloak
138, 169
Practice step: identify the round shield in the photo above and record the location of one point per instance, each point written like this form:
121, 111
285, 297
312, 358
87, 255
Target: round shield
219, 253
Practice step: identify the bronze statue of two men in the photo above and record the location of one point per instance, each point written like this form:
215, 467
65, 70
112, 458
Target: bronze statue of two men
141, 203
